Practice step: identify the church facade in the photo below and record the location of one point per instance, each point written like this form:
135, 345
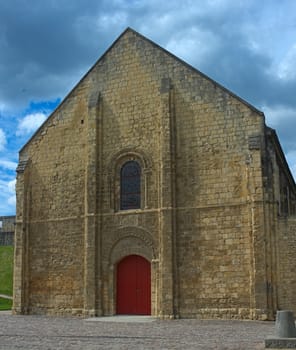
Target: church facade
152, 189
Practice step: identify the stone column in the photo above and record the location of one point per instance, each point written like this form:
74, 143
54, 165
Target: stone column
21, 241
167, 214
261, 299
92, 298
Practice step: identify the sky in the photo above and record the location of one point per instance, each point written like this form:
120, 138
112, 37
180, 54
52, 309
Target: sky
249, 46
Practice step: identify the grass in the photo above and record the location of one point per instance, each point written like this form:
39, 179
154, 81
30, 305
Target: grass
5, 304
6, 270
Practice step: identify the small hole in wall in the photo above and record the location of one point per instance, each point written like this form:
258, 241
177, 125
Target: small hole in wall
82, 121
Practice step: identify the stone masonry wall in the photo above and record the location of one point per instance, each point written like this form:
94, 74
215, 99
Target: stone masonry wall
286, 264
52, 212
212, 175
200, 221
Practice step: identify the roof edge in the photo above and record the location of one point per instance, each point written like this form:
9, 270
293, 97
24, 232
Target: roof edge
196, 70
278, 148
72, 89
129, 29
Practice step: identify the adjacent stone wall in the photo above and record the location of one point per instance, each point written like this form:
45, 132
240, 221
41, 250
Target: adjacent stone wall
286, 264
7, 227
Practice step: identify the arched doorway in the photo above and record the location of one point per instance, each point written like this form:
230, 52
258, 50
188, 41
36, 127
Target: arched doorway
133, 295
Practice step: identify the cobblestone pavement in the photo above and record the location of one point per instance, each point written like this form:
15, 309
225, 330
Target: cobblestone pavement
46, 333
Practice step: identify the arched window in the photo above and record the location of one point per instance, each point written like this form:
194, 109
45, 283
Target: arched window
130, 186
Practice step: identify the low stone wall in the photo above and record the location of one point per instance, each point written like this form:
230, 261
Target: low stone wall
6, 238
7, 224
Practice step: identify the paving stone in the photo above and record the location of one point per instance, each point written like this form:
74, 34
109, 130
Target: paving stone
46, 333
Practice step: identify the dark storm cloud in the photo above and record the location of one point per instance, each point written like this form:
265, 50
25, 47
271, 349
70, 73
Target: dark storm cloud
46, 46
247, 73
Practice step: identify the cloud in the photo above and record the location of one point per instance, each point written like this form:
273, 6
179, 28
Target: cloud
283, 119
11, 200
43, 48
7, 164
194, 37
287, 66
291, 159
277, 115
7, 197
293, 169
4, 187
30, 123
232, 41
2, 140
46, 47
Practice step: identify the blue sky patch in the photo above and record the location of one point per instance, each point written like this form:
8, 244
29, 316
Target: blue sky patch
247, 46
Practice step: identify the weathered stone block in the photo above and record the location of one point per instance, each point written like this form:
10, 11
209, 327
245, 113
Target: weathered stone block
203, 221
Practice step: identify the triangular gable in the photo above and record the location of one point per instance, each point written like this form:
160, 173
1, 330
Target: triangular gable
140, 36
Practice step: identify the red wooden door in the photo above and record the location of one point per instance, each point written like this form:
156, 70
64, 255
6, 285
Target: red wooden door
133, 286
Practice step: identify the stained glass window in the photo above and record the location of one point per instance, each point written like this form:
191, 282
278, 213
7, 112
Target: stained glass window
130, 186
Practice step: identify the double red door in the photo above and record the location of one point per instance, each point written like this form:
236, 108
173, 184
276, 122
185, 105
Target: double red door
133, 286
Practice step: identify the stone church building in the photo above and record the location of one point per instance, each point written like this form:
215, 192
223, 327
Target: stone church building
152, 189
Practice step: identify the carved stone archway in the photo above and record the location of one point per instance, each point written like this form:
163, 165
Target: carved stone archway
129, 241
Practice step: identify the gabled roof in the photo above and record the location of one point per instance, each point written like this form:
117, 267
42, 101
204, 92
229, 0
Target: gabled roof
127, 30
